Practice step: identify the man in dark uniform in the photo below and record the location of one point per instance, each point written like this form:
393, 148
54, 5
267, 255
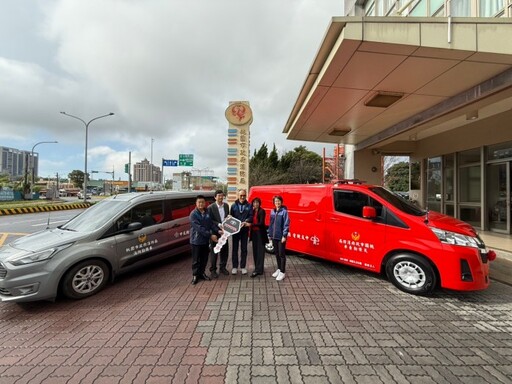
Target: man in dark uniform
201, 232
218, 211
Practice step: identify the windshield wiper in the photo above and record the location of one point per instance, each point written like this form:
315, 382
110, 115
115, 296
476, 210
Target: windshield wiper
66, 229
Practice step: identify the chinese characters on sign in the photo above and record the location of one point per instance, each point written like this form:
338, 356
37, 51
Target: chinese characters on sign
239, 116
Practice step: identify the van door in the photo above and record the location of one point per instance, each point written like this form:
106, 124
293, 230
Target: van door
307, 221
179, 229
144, 245
355, 240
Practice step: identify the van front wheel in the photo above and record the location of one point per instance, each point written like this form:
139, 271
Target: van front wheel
411, 273
85, 279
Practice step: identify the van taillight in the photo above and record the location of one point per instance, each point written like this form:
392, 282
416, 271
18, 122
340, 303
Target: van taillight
465, 271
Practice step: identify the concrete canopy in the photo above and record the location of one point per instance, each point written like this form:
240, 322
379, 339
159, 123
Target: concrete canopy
431, 75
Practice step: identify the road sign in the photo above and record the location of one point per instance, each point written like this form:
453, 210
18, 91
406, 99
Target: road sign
169, 163
186, 160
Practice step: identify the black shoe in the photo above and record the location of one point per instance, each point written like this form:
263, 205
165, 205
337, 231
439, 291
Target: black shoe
195, 279
214, 274
254, 274
205, 277
224, 271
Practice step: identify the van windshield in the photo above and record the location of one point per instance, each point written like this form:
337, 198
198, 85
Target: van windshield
398, 202
96, 216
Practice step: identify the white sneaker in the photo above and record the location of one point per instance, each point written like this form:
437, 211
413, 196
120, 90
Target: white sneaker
280, 276
276, 273
234, 271
244, 271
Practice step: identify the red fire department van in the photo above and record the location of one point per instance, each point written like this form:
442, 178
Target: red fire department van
369, 227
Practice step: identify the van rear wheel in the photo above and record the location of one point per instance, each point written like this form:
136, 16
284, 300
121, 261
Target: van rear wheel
411, 273
85, 279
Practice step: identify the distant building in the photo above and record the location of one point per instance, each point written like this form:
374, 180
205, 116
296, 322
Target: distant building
146, 172
194, 181
15, 162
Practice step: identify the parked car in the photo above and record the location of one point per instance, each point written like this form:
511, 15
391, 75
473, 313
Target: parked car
80, 195
77, 259
369, 227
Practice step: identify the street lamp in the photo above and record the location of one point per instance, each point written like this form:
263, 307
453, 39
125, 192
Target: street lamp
32, 159
86, 133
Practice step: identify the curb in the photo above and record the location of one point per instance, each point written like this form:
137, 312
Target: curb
42, 208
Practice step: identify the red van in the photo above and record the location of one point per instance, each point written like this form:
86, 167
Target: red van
369, 227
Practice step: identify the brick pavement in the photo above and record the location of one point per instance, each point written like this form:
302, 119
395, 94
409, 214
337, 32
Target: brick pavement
324, 323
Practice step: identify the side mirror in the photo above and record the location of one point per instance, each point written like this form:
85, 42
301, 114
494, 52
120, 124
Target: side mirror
135, 226
369, 212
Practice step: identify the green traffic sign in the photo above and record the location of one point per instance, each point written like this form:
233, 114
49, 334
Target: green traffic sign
186, 160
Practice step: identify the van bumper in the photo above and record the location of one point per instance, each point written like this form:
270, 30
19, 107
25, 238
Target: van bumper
464, 268
26, 285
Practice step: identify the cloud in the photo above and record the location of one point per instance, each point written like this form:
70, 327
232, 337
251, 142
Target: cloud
167, 69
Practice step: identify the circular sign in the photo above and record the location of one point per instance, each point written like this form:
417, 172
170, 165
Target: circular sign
239, 114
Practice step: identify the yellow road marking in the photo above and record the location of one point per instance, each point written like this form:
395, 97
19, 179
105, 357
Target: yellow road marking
4, 236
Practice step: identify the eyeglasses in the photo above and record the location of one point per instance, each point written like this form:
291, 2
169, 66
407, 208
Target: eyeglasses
243, 195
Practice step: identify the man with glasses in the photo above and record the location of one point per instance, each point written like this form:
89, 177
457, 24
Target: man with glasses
242, 211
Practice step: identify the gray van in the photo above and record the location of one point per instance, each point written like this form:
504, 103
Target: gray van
116, 235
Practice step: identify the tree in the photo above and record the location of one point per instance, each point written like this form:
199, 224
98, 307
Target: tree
297, 166
263, 169
77, 178
397, 177
301, 166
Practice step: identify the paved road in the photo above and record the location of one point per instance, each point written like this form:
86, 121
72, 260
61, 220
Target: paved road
324, 323
12, 227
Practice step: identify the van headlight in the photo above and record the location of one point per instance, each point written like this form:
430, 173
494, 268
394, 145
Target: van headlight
26, 257
453, 238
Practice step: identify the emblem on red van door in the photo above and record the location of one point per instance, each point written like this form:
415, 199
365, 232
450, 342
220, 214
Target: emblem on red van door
356, 236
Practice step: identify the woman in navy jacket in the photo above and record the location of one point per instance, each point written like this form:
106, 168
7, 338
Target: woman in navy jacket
278, 232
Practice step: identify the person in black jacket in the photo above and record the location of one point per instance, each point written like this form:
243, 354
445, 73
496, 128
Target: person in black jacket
218, 211
258, 236
241, 210
201, 232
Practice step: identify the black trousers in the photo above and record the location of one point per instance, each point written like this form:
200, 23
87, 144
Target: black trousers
199, 259
258, 252
280, 249
241, 238
222, 255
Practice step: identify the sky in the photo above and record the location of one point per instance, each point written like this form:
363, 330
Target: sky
167, 69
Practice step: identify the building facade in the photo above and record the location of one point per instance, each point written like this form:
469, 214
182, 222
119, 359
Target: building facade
428, 79
18, 163
144, 171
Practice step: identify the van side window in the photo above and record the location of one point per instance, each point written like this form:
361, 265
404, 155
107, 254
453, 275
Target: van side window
352, 203
149, 213
182, 207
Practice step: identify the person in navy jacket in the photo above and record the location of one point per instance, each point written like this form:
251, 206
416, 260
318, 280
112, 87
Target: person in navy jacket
241, 210
278, 232
201, 232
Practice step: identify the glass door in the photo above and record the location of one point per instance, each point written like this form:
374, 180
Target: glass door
498, 197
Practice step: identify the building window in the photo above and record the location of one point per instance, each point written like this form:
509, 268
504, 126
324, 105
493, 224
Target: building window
500, 151
449, 178
434, 184
460, 8
469, 157
470, 184
491, 8
436, 8
420, 9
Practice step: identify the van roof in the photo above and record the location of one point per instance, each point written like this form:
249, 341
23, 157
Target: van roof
159, 194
